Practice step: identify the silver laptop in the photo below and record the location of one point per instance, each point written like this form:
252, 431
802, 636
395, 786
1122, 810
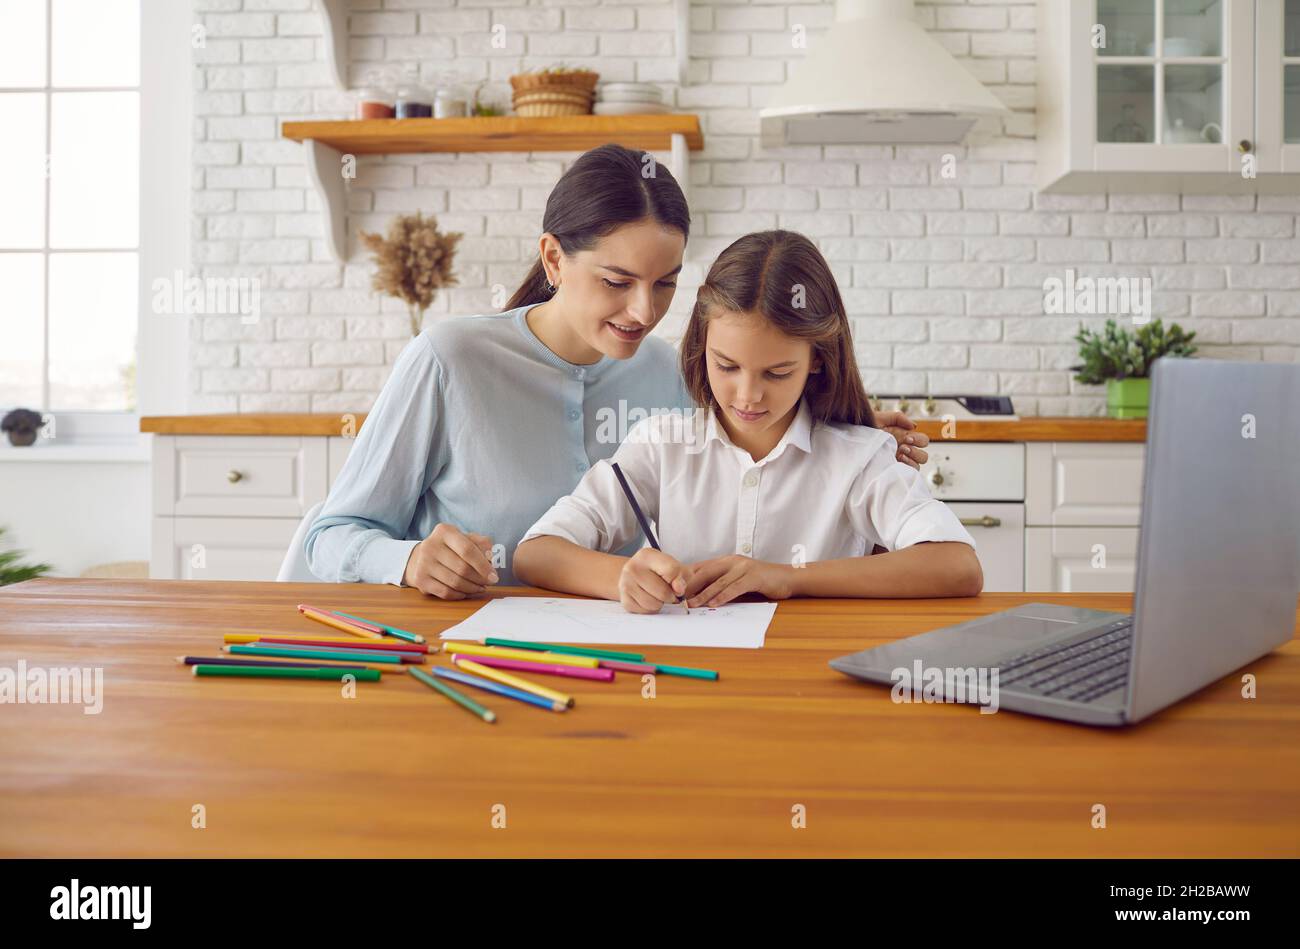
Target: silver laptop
1218, 567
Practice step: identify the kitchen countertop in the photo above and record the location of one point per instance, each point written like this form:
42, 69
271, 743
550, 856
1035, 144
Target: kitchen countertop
1037, 429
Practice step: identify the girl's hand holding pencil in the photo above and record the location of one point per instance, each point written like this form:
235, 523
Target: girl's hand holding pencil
649, 579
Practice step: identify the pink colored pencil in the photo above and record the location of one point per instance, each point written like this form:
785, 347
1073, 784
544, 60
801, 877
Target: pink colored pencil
621, 666
545, 668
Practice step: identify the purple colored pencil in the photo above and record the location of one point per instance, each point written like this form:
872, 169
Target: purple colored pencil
228, 661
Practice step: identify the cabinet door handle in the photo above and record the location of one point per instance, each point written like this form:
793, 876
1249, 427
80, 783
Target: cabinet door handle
984, 521
234, 477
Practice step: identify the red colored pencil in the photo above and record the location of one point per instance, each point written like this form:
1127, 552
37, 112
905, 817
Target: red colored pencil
544, 668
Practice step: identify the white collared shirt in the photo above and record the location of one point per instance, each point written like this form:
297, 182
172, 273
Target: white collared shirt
824, 492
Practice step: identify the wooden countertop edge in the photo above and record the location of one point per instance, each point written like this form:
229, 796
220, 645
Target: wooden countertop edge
347, 424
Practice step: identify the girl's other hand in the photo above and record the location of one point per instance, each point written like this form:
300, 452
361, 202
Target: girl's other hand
450, 564
649, 579
911, 443
723, 579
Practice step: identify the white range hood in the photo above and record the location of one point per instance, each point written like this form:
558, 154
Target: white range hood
875, 77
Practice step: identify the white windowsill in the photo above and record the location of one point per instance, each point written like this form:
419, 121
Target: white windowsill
133, 451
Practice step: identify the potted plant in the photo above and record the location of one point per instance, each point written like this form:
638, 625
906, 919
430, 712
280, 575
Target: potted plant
12, 571
21, 425
1123, 361
414, 262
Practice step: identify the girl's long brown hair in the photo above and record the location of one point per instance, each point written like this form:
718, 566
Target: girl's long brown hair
604, 189
782, 276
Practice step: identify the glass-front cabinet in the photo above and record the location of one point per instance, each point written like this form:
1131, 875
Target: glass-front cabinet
1197, 95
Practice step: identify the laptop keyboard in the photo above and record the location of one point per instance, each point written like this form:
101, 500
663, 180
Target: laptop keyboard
1078, 671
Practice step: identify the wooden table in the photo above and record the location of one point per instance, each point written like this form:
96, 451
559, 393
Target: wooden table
701, 769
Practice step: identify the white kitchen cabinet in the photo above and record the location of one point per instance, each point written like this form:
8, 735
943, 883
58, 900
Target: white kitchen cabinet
1081, 559
1083, 483
226, 507
1169, 95
1083, 505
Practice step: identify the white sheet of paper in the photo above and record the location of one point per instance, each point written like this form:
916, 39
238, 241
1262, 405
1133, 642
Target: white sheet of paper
604, 622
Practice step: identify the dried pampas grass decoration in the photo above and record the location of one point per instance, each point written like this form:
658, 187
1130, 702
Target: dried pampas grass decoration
414, 262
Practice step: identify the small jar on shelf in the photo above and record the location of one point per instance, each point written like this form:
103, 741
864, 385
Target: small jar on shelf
374, 103
414, 102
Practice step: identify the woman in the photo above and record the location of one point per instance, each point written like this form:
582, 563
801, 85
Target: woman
487, 420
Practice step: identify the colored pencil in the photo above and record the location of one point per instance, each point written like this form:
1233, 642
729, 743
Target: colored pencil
339, 624
543, 668
368, 655
559, 659
464, 701
348, 642
385, 628
287, 652
364, 624
686, 672
278, 672
566, 650
517, 682
619, 665
318, 664
645, 525
498, 689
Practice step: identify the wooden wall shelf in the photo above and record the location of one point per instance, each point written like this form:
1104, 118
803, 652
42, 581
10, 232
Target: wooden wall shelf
326, 143
500, 133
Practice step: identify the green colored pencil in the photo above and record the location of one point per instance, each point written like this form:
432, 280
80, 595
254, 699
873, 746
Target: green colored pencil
567, 650
465, 701
293, 652
686, 672
283, 672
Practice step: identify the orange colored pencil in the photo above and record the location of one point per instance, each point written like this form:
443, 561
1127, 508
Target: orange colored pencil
339, 624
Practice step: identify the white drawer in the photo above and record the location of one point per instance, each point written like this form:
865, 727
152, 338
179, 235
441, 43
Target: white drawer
1082, 484
238, 477
1080, 559
999, 533
220, 548
975, 471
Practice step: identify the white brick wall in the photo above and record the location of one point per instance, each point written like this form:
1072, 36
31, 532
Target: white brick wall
943, 277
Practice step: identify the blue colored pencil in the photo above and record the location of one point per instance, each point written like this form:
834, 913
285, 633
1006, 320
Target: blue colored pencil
487, 685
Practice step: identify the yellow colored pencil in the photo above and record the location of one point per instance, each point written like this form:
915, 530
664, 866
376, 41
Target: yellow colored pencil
245, 638
506, 678
527, 655
340, 624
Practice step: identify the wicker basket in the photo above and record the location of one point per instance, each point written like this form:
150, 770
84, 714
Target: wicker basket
554, 94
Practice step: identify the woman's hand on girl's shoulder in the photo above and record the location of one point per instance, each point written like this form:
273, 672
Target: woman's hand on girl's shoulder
722, 579
911, 443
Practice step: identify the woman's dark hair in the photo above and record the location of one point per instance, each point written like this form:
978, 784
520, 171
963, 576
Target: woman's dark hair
782, 277
604, 189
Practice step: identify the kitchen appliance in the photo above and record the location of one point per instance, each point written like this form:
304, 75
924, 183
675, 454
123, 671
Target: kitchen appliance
875, 77
1217, 576
983, 483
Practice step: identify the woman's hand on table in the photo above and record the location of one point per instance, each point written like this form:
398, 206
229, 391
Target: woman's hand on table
451, 564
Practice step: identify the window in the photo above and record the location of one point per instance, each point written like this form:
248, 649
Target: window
69, 204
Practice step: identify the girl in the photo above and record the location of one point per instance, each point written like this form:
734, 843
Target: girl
486, 420
780, 486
